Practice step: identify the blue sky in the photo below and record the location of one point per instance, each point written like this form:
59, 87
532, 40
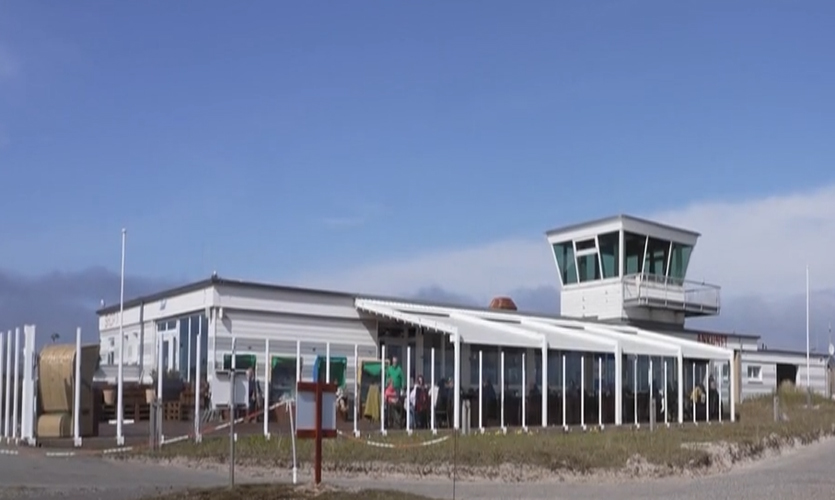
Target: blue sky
281, 140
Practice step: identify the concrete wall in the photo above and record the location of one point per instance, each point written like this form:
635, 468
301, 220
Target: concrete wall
766, 362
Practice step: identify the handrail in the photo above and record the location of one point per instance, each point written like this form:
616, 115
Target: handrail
673, 293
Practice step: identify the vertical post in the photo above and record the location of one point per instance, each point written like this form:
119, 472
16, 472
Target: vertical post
76, 407
583, 392
16, 389
317, 473
457, 406
480, 391
266, 389
564, 398
232, 407
120, 376
694, 388
188, 351
356, 389
28, 403
433, 391
720, 385
501, 403
600, 392
198, 382
666, 399
524, 393
545, 389
383, 390
408, 398
707, 392
651, 395
7, 427
808, 362
680, 370
327, 363
635, 390
733, 388
160, 377
4, 409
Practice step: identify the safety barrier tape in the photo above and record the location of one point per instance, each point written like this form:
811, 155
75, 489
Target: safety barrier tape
23, 450
394, 446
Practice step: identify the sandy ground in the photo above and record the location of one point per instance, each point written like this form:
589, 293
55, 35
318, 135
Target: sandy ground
796, 473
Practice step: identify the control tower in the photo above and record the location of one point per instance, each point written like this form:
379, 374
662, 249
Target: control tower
629, 269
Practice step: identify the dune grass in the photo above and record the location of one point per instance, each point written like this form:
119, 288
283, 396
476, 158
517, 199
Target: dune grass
284, 492
577, 451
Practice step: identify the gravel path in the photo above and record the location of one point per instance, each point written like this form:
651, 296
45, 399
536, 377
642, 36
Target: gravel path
798, 475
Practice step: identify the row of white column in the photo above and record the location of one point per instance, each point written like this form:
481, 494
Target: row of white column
19, 398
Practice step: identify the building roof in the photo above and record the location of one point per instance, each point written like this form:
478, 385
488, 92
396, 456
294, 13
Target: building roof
218, 280
622, 218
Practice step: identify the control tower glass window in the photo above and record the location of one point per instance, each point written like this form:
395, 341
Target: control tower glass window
679, 260
633, 252
588, 263
658, 255
609, 243
564, 253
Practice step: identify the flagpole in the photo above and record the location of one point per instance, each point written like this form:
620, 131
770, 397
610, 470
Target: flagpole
120, 383
808, 361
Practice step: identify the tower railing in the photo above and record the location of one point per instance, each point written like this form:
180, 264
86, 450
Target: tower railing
651, 290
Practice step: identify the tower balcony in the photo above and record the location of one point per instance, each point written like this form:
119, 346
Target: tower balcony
643, 290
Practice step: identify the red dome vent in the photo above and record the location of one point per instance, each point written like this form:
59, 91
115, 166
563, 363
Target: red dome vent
505, 303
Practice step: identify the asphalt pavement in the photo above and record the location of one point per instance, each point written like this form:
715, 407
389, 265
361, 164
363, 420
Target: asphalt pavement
806, 473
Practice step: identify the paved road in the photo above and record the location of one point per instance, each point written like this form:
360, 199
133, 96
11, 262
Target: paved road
800, 475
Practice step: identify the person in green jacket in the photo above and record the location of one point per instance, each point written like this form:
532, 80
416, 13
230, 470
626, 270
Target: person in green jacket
394, 373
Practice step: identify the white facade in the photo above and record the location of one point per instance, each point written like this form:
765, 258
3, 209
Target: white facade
759, 372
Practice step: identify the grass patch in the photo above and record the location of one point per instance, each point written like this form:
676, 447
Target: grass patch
283, 491
575, 452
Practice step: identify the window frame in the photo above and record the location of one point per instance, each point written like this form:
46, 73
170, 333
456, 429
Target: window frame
758, 378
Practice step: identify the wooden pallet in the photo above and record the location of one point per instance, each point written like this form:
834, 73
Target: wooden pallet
136, 412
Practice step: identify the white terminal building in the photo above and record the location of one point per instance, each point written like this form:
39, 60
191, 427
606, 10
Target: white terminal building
625, 301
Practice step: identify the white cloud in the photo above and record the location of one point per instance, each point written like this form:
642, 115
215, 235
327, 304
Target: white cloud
749, 247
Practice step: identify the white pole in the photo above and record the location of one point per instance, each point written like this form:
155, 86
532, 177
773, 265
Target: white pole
76, 407
666, 401
635, 390
120, 376
583, 392
707, 391
456, 410
266, 389
480, 391
160, 377
694, 388
383, 390
808, 359
16, 389
188, 352
721, 389
328, 363
600, 392
433, 390
501, 375
4, 410
545, 386
291, 410
356, 389
564, 397
408, 404
7, 427
651, 391
198, 382
524, 394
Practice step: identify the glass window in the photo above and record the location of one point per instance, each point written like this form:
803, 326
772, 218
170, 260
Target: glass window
679, 260
609, 249
513, 368
633, 252
658, 253
282, 377
755, 373
585, 244
564, 252
588, 267
490, 364
555, 370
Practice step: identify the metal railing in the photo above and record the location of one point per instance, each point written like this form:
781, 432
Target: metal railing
671, 293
